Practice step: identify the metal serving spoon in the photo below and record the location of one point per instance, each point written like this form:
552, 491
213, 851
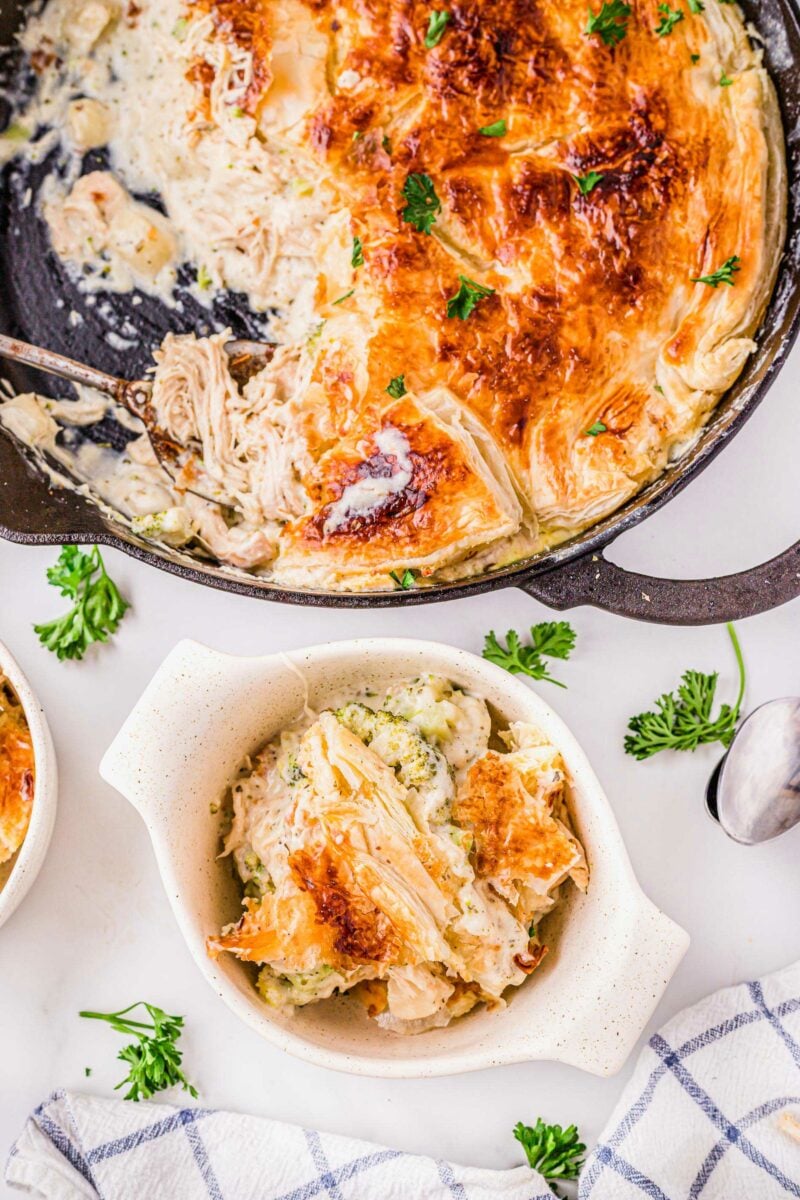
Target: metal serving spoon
755, 791
246, 357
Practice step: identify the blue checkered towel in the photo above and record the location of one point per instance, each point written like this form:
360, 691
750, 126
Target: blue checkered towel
712, 1111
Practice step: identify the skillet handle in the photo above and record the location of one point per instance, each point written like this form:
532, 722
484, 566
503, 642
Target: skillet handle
594, 580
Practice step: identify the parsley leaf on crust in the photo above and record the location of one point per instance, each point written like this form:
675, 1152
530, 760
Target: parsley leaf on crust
397, 387
422, 203
465, 299
611, 22
436, 26
670, 17
587, 182
498, 129
723, 274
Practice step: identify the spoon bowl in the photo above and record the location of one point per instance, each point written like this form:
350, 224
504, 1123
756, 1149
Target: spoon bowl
754, 793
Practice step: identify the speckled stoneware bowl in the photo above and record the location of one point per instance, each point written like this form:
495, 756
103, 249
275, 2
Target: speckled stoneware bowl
17, 875
612, 952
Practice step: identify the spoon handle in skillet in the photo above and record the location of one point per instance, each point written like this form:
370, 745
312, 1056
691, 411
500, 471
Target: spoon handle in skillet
57, 364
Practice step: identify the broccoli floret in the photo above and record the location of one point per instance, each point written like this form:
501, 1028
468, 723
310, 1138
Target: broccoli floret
394, 739
299, 988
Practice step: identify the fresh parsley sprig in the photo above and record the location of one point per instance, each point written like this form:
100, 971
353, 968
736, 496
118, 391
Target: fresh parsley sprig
670, 17
723, 274
465, 299
422, 204
154, 1060
98, 607
437, 24
554, 1152
682, 720
549, 639
611, 22
596, 429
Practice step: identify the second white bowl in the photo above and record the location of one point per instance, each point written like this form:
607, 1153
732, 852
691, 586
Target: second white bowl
17, 877
612, 951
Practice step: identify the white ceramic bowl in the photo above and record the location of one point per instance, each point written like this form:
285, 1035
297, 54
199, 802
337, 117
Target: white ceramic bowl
17, 876
612, 952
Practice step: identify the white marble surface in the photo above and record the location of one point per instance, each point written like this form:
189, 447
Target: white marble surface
96, 931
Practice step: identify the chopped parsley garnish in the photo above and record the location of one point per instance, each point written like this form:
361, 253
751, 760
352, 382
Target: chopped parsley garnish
357, 257
695, 58
422, 203
239, 112
404, 581
554, 1152
180, 28
154, 1060
469, 293
611, 22
725, 80
723, 274
551, 639
669, 19
346, 296
203, 279
498, 129
598, 427
696, 6
98, 607
682, 720
386, 144
397, 387
587, 182
436, 26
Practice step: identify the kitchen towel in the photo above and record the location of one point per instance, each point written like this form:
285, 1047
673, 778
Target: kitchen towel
712, 1111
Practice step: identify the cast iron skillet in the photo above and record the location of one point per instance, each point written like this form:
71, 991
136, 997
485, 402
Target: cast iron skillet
32, 283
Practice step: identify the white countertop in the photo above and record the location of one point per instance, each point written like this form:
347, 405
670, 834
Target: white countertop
96, 931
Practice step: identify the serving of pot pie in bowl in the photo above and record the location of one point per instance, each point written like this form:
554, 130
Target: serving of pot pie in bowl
392, 858
28, 785
511, 261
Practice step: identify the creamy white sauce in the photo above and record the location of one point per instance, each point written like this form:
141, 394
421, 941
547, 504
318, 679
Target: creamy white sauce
368, 494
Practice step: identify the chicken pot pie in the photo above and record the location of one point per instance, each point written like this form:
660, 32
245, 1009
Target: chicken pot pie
511, 254
387, 850
16, 774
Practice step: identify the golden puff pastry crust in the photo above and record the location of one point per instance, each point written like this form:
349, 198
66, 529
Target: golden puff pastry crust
593, 318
